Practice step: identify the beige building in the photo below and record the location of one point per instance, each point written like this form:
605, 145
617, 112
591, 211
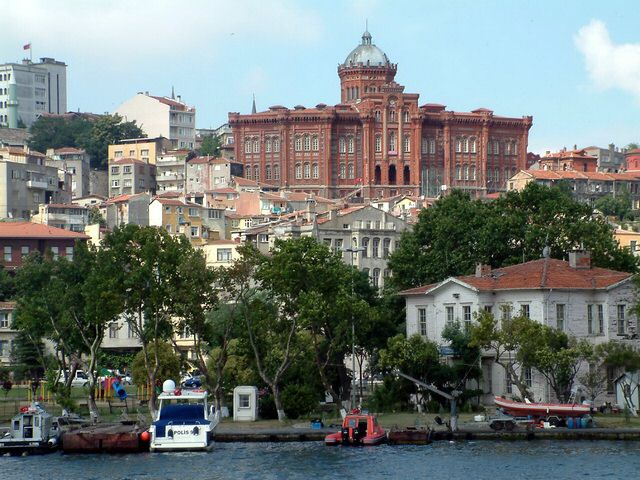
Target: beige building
128, 176
179, 218
628, 239
77, 163
221, 253
66, 216
162, 116
170, 171
146, 150
7, 334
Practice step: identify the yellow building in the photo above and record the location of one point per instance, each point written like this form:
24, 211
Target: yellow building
628, 239
179, 218
221, 253
145, 149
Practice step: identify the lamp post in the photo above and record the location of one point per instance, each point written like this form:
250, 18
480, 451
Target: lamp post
353, 251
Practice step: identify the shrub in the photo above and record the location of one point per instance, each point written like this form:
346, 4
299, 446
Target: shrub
298, 400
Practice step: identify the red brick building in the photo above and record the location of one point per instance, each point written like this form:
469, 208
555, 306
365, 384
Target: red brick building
569, 160
378, 141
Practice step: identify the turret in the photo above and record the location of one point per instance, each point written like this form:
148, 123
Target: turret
12, 104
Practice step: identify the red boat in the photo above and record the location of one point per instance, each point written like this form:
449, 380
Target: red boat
358, 428
523, 409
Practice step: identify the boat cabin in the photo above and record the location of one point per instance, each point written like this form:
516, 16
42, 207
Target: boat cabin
32, 428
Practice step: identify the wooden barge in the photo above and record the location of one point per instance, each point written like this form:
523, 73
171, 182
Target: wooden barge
124, 437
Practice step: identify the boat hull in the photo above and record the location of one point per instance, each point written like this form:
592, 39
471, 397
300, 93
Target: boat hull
27, 448
541, 409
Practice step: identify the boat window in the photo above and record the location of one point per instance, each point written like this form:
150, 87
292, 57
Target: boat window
36, 421
27, 420
16, 424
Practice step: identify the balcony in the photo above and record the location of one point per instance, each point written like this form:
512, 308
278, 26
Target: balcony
41, 184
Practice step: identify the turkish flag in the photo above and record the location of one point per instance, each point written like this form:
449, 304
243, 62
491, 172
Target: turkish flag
27, 47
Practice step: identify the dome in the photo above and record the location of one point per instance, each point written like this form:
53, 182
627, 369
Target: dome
366, 54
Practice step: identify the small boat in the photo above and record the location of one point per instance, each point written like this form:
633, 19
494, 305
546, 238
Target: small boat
410, 436
541, 409
358, 428
32, 431
183, 421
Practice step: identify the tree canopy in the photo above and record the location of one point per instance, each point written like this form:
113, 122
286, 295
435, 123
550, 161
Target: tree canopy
457, 232
210, 146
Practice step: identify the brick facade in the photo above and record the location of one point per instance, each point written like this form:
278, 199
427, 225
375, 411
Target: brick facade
378, 141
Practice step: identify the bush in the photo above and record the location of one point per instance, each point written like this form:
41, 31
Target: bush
169, 364
298, 400
388, 397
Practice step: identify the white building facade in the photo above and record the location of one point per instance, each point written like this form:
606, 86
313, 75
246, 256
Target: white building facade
587, 303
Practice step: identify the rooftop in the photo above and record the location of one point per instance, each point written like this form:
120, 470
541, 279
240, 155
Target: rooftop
36, 230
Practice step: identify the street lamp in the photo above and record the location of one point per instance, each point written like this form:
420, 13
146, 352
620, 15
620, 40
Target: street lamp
353, 250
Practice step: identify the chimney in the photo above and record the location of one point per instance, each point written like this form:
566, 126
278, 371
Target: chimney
580, 259
482, 270
311, 209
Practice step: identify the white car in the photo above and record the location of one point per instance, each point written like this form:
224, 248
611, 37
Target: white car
79, 380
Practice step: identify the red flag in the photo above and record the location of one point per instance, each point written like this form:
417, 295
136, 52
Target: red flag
27, 46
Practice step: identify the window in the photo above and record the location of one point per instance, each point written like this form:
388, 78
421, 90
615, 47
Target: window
141, 182
378, 143
376, 277
337, 245
449, 314
386, 244
267, 145
350, 145
306, 140
7, 254
263, 238
68, 253
276, 172
342, 145
392, 142
424, 146
276, 144
560, 312
621, 321
406, 144
298, 144
422, 321
350, 171
194, 231
248, 171
465, 144
126, 182
472, 145
256, 145
458, 172
525, 310
392, 115
113, 330
488, 308
126, 169
506, 311
406, 116
24, 251
298, 171
307, 170
528, 376
365, 246
595, 319
466, 172
466, 314
247, 145
54, 252
223, 254
315, 145
168, 227
244, 401
375, 247
632, 246
4, 320
267, 172
193, 212
459, 145
117, 154
343, 171
256, 173
115, 170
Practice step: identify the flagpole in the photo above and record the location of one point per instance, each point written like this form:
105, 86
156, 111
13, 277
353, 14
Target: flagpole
30, 53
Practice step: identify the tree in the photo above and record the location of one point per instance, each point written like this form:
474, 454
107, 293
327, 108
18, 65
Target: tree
106, 130
168, 362
210, 145
625, 359
96, 217
633, 146
7, 285
28, 357
619, 206
147, 264
465, 361
57, 132
458, 232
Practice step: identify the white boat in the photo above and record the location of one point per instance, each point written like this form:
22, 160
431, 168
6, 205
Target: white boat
184, 421
32, 430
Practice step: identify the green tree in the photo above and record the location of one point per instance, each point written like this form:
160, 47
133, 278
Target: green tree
210, 146
168, 362
458, 232
619, 206
633, 146
7, 285
106, 130
625, 359
57, 132
28, 356
96, 217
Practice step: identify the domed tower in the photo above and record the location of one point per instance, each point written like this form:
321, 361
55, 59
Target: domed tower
364, 71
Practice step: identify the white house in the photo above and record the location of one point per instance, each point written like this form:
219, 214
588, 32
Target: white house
584, 301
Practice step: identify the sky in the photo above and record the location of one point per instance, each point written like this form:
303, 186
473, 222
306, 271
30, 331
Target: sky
573, 65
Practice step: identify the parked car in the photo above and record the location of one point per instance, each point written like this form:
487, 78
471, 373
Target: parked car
192, 382
79, 380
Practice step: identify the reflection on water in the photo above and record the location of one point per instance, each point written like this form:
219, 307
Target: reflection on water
544, 459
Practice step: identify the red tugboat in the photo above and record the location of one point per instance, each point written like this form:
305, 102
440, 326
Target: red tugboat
358, 428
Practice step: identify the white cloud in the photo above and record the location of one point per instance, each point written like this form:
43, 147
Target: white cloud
610, 65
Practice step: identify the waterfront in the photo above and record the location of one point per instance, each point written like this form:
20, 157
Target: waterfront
451, 460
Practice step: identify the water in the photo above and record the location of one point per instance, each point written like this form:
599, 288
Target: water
543, 459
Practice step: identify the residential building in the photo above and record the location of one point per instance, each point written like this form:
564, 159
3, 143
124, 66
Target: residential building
28, 90
632, 160
628, 239
569, 160
179, 217
99, 182
19, 239
170, 171
162, 116
66, 216
146, 150
221, 253
76, 162
610, 159
378, 141
224, 134
14, 137
586, 187
26, 182
90, 200
7, 332
127, 209
128, 176
209, 173
586, 302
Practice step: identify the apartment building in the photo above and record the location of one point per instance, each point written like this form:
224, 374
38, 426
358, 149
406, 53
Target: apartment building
66, 216
146, 150
77, 163
128, 176
179, 217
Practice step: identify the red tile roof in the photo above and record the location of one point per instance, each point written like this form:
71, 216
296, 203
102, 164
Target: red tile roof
64, 150
545, 273
178, 203
36, 230
173, 103
127, 161
7, 305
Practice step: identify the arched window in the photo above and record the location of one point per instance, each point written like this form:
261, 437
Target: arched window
267, 172
276, 172
496, 147
466, 172
472, 145
392, 115
378, 175
267, 144
365, 246
343, 170
298, 146
489, 175
465, 144
459, 145
307, 143
497, 175
458, 172
406, 175
350, 145
276, 144
247, 145
256, 173
392, 142
247, 172
315, 170
376, 277
515, 148
424, 146
432, 146
378, 143
406, 144
386, 247
314, 143
473, 172
350, 172
307, 170
256, 145
377, 116
375, 248
342, 144
406, 116
507, 147
298, 171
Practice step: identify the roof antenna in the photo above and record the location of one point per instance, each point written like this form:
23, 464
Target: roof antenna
546, 251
